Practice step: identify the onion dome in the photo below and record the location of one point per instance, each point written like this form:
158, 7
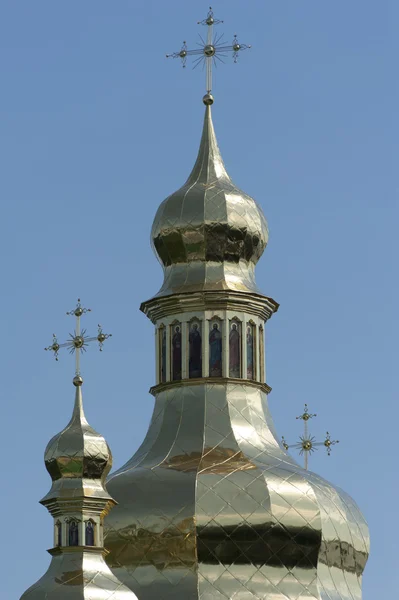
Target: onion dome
78, 452
78, 460
209, 234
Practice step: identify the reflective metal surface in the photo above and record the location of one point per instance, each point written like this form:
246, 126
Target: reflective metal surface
78, 460
77, 573
212, 507
208, 51
307, 443
209, 234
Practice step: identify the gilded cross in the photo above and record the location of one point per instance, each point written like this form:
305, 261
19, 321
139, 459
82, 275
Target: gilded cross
78, 340
210, 51
307, 443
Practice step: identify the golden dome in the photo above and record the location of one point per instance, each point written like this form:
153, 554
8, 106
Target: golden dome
209, 235
78, 452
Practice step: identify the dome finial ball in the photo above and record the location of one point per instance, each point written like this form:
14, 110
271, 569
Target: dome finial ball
208, 99
77, 381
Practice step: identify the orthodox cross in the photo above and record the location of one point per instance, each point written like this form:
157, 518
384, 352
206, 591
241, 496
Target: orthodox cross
210, 51
307, 443
78, 340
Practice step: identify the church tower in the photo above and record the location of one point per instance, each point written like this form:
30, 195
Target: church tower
78, 460
211, 506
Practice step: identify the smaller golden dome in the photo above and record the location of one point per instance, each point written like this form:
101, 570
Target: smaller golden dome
77, 452
209, 234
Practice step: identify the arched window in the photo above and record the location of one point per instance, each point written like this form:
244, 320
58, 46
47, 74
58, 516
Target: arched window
89, 533
162, 353
58, 533
235, 348
195, 350
251, 350
73, 533
262, 353
215, 349
176, 344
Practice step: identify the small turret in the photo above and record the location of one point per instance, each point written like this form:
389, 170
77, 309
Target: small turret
78, 460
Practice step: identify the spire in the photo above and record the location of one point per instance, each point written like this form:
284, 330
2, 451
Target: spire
78, 415
209, 165
78, 461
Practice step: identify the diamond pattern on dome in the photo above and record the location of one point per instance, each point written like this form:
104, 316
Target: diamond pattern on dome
78, 575
212, 507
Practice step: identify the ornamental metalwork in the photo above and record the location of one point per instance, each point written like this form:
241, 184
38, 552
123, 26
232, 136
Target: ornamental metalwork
78, 340
210, 51
307, 443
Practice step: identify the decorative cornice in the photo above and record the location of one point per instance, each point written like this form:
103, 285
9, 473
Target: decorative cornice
57, 550
254, 304
59, 507
156, 389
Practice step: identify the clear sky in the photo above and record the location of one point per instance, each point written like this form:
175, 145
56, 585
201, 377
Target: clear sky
97, 128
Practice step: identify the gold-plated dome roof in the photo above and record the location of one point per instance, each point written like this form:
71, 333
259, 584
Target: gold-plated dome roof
209, 234
78, 452
78, 460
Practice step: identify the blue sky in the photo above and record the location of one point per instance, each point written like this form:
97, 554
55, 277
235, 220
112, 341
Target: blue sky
97, 128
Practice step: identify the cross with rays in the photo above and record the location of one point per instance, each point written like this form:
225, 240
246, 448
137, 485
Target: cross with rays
210, 51
307, 443
78, 340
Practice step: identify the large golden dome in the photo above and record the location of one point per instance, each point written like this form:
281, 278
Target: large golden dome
209, 234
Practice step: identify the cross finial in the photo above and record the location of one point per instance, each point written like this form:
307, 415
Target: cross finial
307, 443
78, 341
209, 52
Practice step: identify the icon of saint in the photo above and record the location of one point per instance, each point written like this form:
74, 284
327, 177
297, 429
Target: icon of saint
234, 352
73, 534
176, 354
195, 352
215, 352
89, 534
